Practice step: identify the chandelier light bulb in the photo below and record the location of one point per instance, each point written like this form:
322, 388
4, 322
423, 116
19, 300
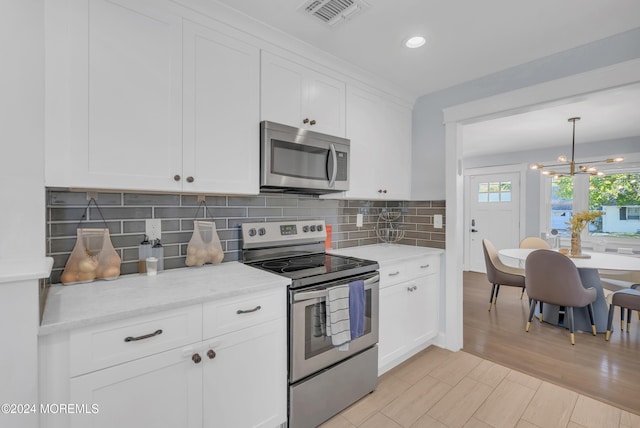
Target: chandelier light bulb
562, 158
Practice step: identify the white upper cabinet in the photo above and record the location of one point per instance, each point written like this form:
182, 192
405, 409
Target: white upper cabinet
221, 112
380, 134
298, 96
124, 90
134, 120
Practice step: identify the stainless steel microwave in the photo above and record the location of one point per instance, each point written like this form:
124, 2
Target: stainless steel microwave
302, 161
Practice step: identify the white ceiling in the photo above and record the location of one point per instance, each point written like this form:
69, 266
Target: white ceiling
468, 39
606, 115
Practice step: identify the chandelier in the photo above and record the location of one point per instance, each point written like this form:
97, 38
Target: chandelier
560, 169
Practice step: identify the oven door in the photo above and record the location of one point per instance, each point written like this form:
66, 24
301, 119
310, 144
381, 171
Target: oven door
311, 350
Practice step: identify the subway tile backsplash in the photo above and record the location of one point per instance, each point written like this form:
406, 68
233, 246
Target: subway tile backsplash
125, 214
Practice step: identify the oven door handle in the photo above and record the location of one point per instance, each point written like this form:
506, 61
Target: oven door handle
310, 295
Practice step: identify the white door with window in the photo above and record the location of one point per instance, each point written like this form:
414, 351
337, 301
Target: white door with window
493, 202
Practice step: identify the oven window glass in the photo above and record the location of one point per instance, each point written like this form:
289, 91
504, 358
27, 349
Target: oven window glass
298, 160
316, 342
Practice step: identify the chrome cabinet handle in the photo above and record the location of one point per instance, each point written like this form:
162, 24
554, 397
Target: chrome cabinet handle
248, 311
424, 266
313, 122
211, 354
412, 289
394, 273
305, 120
176, 177
196, 358
190, 179
145, 336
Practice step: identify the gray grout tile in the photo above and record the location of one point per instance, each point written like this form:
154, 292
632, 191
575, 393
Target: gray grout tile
125, 214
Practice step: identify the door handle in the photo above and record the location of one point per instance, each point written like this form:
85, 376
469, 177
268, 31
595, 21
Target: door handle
474, 230
334, 172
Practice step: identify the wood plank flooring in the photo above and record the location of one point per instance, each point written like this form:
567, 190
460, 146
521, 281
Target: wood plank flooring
505, 377
605, 371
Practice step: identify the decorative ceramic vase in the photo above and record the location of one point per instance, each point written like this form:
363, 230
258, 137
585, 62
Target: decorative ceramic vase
576, 245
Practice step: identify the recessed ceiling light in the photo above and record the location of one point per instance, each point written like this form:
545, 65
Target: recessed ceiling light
415, 42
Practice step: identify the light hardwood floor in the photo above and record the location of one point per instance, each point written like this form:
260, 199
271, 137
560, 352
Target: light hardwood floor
505, 377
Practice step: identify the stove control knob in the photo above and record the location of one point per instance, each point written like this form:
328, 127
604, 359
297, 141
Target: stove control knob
313, 228
319, 227
262, 231
305, 229
252, 232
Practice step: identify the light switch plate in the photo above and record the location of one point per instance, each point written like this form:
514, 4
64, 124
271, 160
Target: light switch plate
437, 221
358, 220
153, 228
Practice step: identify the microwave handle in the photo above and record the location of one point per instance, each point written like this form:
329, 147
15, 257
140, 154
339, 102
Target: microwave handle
309, 295
334, 172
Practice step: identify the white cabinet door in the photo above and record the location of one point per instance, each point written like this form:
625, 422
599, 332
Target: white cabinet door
125, 95
297, 96
221, 113
162, 391
380, 134
395, 167
393, 327
364, 117
245, 383
423, 309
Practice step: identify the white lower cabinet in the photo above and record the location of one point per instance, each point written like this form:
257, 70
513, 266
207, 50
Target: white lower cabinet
163, 390
153, 374
245, 383
409, 302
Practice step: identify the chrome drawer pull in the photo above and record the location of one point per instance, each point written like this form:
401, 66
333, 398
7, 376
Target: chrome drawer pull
424, 266
146, 336
394, 273
248, 311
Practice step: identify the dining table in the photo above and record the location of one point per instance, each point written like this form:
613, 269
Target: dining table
588, 267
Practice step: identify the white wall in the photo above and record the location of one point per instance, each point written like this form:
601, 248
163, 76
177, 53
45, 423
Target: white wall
22, 213
22, 217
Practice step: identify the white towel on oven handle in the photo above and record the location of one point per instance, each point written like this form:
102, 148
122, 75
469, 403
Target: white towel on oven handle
338, 321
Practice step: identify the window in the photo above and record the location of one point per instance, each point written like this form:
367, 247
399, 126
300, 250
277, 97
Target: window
499, 191
616, 194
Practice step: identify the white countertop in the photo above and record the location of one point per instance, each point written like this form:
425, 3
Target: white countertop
24, 270
386, 254
80, 305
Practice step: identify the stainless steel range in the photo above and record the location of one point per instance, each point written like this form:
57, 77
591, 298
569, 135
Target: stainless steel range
323, 378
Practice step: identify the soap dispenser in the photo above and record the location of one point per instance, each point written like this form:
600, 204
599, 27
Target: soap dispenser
157, 251
144, 251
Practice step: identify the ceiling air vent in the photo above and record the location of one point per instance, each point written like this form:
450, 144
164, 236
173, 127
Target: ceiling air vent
332, 12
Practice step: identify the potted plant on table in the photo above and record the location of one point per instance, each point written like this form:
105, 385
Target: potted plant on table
577, 223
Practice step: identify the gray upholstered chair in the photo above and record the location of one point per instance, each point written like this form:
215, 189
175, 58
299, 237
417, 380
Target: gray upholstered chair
535, 243
628, 299
551, 277
498, 273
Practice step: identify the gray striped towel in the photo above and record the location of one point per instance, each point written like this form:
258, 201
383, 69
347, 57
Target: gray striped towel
338, 321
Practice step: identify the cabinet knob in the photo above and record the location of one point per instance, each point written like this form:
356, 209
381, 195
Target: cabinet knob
313, 122
424, 266
196, 358
211, 354
305, 120
190, 179
176, 177
382, 190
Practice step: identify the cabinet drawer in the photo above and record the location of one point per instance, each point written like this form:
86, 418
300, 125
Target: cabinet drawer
234, 314
394, 274
424, 266
105, 345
